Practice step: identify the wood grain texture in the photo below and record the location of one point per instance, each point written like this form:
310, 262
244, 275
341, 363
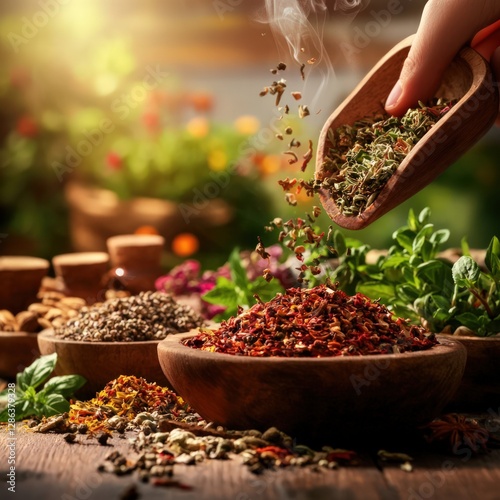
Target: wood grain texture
310, 397
467, 79
48, 468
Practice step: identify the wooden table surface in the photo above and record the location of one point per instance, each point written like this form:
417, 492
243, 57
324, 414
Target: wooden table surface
49, 468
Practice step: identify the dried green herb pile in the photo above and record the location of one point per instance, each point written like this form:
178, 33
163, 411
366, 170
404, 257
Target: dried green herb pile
363, 156
315, 322
147, 316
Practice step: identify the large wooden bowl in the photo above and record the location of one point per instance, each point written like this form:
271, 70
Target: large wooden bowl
480, 387
17, 351
343, 397
100, 362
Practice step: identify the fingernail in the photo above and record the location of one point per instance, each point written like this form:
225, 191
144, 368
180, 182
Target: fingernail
394, 96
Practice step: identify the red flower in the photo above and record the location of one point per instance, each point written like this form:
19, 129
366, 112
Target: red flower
114, 161
201, 102
151, 120
27, 127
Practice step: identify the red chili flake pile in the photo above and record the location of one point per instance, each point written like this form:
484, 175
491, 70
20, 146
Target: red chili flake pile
316, 322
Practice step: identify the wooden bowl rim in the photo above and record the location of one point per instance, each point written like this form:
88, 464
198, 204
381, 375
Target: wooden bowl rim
173, 344
80, 258
470, 337
48, 334
135, 240
22, 263
6, 335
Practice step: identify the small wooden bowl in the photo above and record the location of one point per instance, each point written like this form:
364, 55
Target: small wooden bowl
20, 279
342, 397
480, 387
101, 362
17, 351
136, 259
82, 274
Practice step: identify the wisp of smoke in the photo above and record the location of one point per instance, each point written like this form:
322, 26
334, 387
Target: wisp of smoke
300, 23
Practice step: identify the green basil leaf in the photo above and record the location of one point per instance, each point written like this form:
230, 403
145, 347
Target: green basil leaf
339, 243
394, 260
65, 385
465, 272
404, 237
412, 220
439, 237
37, 373
437, 274
464, 245
266, 291
407, 293
22, 409
492, 259
376, 290
424, 215
223, 293
54, 404
469, 320
427, 250
238, 273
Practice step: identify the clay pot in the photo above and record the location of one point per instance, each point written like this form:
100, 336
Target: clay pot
20, 279
136, 260
82, 274
480, 387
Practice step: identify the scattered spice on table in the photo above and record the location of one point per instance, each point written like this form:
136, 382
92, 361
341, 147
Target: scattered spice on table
315, 322
363, 156
147, 316
454, 430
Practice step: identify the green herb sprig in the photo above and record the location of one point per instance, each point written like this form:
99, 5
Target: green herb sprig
417, 284
477, 293
50, 400
239, 291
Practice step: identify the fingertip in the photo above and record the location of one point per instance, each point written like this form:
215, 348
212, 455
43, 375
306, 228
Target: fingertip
394, 96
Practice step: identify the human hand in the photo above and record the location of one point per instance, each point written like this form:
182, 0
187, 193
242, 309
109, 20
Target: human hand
445, 26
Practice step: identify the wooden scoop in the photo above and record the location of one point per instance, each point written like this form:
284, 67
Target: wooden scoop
468, 79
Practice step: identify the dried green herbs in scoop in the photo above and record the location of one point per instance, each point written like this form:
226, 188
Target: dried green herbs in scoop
363, 156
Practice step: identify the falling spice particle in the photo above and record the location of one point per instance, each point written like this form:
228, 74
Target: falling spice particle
281, 66
289, 131
297, 95
287, 184
303, 111
302, 74
279, 136
311, 61
307, 156
293, 158
291, 199
286, 109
